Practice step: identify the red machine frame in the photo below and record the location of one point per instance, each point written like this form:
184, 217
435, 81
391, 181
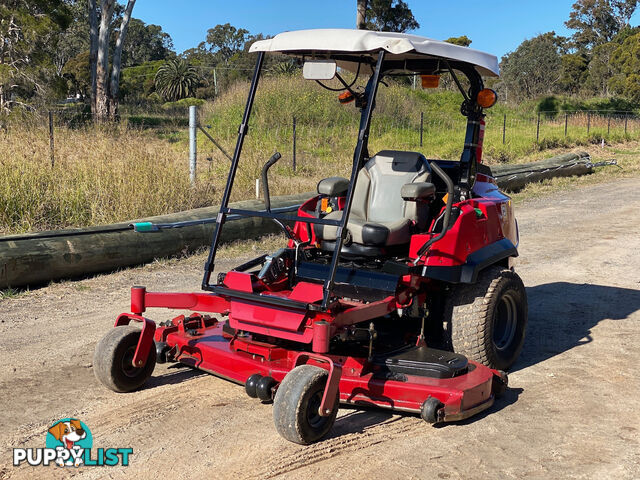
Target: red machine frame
311, 314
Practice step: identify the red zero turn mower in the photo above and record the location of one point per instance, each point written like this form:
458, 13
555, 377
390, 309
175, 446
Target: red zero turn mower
407, 254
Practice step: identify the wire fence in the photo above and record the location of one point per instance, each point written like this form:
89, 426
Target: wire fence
437, 135
61, 169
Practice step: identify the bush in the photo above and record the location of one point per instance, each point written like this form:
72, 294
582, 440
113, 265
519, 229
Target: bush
183, 103
549, 106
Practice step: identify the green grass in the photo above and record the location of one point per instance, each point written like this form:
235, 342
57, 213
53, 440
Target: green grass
9, 293
327, 131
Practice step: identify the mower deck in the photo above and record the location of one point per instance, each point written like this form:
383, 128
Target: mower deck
207, 345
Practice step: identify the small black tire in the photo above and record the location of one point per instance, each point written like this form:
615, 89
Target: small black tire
113, 356
264, 389
487, 320
429, 411
162, 350
251, 384
295, 406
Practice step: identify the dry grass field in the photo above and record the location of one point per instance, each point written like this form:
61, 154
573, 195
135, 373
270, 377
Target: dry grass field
110, 173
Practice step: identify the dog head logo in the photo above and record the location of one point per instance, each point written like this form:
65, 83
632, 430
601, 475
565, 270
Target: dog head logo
68, 433
69, 437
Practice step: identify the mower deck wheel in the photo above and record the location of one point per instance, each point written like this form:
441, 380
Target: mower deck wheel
251, 384
296, 404
264, 389
112, 360
487, 320
429, 410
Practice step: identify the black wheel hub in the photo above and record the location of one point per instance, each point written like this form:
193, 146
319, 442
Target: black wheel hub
127, 363
506, 322
316, 421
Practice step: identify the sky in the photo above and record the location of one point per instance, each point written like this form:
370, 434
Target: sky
497, 27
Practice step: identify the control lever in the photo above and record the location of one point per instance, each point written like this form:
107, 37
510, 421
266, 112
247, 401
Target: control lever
265, 181
265, 191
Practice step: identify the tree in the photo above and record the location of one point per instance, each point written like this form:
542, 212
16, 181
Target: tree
573, 72
93, 50
73, 40
597, 21
138, 83
600, 68
533, 69
625, 62
361, 14
176, 79
463, 41
117, 60
28, 29
78, 73
226, 40
104, 92
146, 43
389, 16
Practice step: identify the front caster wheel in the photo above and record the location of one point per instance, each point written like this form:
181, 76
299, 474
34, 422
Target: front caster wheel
112, 360
296, 404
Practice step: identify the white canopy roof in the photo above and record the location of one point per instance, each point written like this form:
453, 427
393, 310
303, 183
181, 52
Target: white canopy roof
400, 45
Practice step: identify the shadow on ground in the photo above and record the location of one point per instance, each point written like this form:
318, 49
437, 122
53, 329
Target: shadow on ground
359, 419
561, 316
177, 373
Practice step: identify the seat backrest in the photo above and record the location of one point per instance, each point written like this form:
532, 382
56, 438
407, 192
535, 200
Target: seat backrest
377, 194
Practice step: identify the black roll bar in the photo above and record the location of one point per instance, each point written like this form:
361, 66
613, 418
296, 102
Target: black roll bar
242, 132
358, 155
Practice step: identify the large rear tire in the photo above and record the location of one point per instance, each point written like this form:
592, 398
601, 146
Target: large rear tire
295, 407
112, 360
486, 321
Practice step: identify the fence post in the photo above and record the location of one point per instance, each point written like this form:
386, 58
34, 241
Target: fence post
193, 145
566, 123
588, 122
538, 129
294, 143
421, 126
51, 149
608, 124
504, 129
626, 119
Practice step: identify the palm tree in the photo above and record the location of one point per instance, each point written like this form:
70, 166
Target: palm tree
176, 79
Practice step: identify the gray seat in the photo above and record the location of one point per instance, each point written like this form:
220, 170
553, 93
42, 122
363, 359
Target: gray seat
379, 215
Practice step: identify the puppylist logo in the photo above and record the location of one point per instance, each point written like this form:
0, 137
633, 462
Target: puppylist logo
68, 444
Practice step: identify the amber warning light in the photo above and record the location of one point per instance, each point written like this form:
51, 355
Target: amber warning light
346, 97
430, 81
487, 98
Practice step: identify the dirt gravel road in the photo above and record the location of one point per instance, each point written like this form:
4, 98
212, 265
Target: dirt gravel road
573, 409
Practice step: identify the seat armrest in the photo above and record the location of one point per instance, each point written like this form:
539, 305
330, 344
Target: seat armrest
419, 191
333, 186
